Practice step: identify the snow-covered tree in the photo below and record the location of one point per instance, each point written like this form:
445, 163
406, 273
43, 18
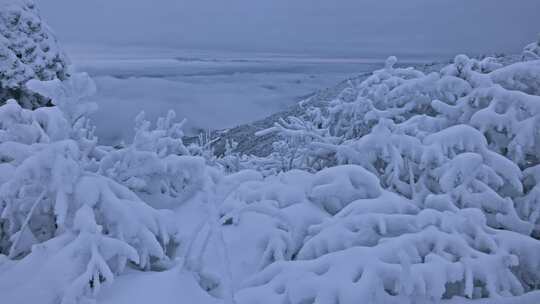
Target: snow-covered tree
293, 150
382, 248
157, 165
472, 106
529, 204
54, 204
463, 173
532, 51
28, 50
503, 105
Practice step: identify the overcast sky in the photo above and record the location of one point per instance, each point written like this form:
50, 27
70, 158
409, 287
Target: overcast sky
330, 27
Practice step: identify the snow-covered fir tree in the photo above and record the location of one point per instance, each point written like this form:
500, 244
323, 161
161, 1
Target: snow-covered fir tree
28, 50
532, 51
157, 165
56, 208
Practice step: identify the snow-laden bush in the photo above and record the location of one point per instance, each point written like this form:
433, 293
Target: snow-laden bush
380, 247
157, 166
426, 186
293, 151
390, 126
433, 256
448, 170
274, 211
421, 104
529, 204
28, 50
403, 95
336, 236
504, 105
53, 203
532, 51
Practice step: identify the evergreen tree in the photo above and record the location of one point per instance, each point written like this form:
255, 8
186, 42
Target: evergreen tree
28, 50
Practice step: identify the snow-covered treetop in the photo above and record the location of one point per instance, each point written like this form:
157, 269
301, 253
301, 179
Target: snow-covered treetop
532, 51
28, 50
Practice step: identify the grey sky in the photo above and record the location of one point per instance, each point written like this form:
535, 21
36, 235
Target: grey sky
332, 27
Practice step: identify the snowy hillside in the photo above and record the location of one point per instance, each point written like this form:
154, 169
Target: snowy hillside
407, 186
262, 145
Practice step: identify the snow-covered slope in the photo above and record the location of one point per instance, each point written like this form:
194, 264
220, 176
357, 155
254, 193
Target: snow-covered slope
262, 145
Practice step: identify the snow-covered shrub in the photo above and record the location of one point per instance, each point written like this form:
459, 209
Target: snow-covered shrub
275, 212
333, 188
50, 194
293, 150
504, 106
532, 51
364, 242
382, 248
230, 161
28, 50
529, 204
393, 158
404, 259
402, 95
448, 170
469, 175
444, 207
521, 76
484, 115
157, 166
69, 98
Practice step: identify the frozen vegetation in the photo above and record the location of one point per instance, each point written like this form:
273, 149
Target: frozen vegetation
28, 50
408, 186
